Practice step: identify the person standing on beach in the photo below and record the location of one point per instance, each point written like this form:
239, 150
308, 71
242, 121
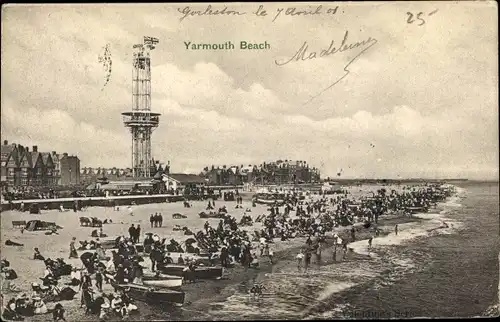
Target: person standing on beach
370, 242
266, 251
336, 241
137, 233
72, 249
98, 279
160, 219
318, 253
344, 247
131, 232
85, 285
396, 230
271, 255
262, 245
353, 234
307, 259
299, 258
151, 220
155, 256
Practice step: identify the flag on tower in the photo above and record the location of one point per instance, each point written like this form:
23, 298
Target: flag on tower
150, 40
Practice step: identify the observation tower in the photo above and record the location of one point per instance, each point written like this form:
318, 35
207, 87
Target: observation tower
141, 121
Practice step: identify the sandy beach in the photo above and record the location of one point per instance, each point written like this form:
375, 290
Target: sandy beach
202, 297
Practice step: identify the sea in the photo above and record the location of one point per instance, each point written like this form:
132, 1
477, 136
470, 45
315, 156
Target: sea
422, 272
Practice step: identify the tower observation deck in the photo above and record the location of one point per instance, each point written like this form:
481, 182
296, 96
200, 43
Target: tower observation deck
141, 121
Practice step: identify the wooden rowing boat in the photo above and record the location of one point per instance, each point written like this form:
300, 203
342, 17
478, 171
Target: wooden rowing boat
162, 280
205, 215
269, 201
201, 272
108, 243
415, 210
152, 295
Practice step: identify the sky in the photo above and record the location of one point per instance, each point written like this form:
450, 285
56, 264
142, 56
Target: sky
421, 101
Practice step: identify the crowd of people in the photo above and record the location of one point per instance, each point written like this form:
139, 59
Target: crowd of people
30, 193
22, 305
24, 193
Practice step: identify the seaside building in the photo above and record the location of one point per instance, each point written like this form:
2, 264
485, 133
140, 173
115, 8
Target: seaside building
276, 172
90, 175
22, 167
56, 174
70, 170
181, 181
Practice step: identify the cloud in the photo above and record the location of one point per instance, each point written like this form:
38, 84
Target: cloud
35, 127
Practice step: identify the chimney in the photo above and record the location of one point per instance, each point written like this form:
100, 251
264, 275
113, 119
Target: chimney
35, 148
27, 149
5, 142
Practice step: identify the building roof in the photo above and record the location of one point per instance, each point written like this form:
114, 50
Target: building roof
68, 157
186, 178
45, 157
6, 150
25, 160
33, 158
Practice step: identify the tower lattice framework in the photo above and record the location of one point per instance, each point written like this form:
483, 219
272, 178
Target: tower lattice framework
141, 121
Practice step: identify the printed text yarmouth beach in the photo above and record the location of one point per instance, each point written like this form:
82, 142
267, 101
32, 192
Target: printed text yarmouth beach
228, 45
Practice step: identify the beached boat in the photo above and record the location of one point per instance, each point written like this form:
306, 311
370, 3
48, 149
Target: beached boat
176, 255
108, 243
201, 272
152, 295
269, 198
416, 210
162, 280
204, 215
41, 225
178, 216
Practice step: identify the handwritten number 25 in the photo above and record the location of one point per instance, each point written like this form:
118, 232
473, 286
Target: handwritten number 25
411, 20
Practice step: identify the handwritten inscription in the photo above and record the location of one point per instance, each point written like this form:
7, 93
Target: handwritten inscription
261, 11
296, 12
302, 55
186, 12
105, 60
418, 17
